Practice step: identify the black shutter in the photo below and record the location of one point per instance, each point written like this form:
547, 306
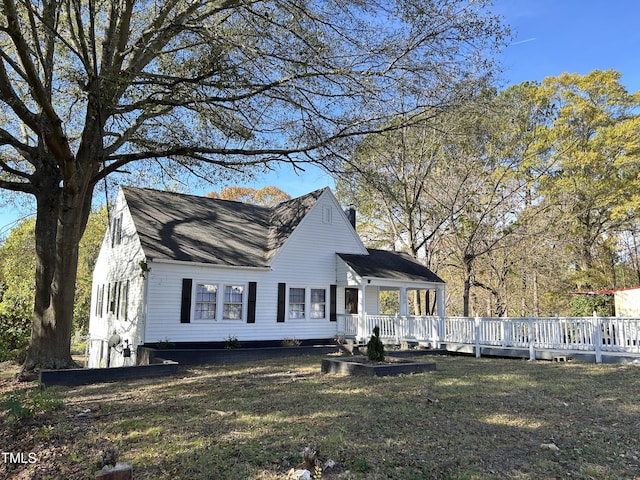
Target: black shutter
251, 312
185, 305
332, 303
282, 292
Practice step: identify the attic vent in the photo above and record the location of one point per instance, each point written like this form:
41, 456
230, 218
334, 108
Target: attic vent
326, 214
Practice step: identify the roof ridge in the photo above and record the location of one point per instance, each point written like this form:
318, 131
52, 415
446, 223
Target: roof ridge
193, 195
196, 225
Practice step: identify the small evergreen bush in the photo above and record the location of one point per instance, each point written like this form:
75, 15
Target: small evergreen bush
375, 347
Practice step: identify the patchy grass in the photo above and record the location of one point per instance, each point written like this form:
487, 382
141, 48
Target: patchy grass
470, 419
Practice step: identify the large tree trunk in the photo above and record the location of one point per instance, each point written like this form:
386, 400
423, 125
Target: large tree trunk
61, 220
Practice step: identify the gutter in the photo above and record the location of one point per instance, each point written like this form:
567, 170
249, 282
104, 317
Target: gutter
205, 264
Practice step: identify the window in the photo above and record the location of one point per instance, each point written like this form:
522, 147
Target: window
318, 303
232, 306
206, 301
296, 303
116, 231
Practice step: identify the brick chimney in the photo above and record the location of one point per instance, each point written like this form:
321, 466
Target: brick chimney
351, 215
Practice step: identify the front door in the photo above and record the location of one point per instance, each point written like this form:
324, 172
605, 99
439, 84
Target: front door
351, 301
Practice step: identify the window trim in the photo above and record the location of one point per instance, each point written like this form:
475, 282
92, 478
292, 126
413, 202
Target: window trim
123, 300
289, 303
196, 317
220, 301
100, 301
327, 214
243, 302
308, 304
112, 298
312, 303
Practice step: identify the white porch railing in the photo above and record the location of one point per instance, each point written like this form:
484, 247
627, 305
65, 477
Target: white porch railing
596, 334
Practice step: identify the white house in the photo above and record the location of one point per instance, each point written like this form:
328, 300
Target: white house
627, 302
196, 271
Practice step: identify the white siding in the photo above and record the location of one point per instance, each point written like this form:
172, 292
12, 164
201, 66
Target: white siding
164, 303
306, 260
627, 302
372, 300
118, 264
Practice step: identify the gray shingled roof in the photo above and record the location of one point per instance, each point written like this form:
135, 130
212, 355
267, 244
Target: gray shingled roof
174, 226
391, 265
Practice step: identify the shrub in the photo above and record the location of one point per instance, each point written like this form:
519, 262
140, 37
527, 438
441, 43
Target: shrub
375, 347
585, 305
231, 342
290, 342
15, 326
166, 344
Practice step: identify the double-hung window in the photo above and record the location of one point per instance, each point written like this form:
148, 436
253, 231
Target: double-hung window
206, 302
318, 303
297, 303
233, 301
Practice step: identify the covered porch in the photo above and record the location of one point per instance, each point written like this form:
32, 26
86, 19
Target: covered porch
387, 289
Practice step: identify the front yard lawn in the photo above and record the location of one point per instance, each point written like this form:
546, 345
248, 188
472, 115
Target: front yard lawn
469, 419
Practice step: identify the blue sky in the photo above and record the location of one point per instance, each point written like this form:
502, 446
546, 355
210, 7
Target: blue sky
550, 37
574, 36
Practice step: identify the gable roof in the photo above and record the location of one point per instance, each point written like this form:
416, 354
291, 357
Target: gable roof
286, 216
173, 226
390, 265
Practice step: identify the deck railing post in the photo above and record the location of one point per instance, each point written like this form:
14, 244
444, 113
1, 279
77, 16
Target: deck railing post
532, 338
477, 336
597, 336
362, 327
439, 337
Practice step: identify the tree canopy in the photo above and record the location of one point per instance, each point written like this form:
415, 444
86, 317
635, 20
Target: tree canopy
268, 196
17, 278
92, 89
516, 198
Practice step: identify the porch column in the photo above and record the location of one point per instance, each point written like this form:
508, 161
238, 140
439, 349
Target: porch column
404, 302
440, 296
362, 314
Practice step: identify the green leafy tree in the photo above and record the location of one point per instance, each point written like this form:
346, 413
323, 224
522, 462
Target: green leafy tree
17, 266
587, 305
91, 89
594, 147
268, 196
389, 178
451, 194
17, 274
